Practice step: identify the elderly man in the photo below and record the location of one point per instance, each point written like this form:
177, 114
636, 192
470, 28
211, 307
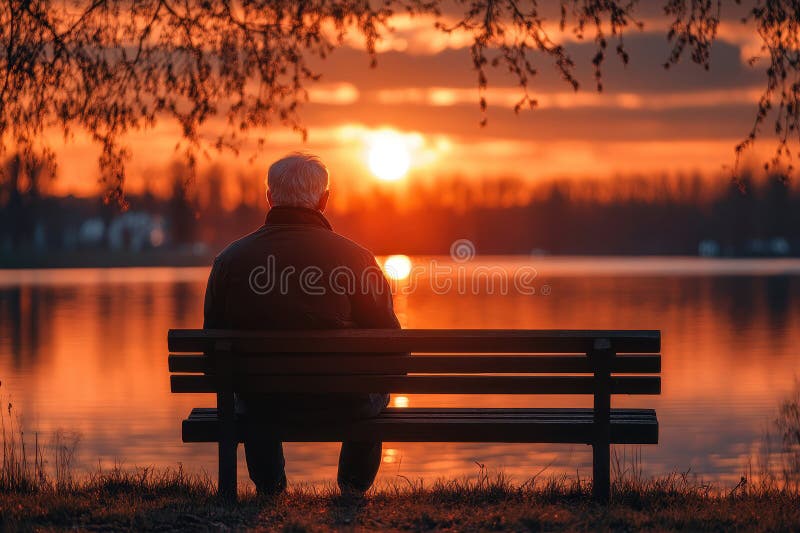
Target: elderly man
260, 282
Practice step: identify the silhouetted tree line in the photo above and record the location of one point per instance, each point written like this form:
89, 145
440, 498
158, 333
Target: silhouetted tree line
503, 215
645, 215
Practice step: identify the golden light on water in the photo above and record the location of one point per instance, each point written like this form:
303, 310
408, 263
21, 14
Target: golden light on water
390, 455
388, 155
397, 267
400, 401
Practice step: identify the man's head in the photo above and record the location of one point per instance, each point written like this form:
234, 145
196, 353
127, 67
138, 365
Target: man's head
298, 180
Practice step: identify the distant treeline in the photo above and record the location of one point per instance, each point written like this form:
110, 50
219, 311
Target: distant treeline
626, 215
618, 216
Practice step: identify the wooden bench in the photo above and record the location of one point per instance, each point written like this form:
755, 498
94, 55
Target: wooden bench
597, 363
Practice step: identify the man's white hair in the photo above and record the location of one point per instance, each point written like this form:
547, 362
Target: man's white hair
298, 180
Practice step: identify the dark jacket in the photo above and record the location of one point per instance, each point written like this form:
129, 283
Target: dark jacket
295, 272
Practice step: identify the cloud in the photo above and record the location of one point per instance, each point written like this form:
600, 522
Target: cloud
728, 121
341, 93
453, 68
510, 97
418, 35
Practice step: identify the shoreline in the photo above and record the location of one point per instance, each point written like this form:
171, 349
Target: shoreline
600, 263
148, 499
102, 259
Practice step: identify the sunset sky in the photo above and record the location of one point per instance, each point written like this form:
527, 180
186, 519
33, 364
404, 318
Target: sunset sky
418, 112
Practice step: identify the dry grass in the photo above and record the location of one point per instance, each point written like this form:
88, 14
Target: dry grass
39, 492
146, 499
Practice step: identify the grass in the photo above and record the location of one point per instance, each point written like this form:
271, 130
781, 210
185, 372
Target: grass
38, 491
146, 499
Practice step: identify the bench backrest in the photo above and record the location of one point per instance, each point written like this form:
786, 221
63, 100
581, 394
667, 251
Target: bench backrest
444, 361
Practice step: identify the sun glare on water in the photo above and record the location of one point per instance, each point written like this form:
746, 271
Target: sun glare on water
397, 267
388, 156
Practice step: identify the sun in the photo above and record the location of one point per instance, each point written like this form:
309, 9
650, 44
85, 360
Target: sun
388, 156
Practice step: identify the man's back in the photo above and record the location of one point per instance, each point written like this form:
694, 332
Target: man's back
296, 273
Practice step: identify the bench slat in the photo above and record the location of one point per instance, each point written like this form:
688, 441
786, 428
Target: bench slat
416, 340
417, 384
430, 364
397, 413
628, 426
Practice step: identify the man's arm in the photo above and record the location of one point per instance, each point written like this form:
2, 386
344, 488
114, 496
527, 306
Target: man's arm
372, 302
373, 309
214, 305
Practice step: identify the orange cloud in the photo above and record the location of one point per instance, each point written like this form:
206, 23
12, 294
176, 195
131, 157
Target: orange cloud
510, 96
334, 93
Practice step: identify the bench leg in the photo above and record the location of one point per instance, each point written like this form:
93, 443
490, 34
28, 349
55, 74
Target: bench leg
228, 443
601, 472
601, 356
227, 469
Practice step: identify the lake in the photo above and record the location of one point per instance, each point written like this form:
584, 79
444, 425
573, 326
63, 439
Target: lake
84, 352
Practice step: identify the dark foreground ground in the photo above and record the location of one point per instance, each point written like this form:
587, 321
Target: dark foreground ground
167, 501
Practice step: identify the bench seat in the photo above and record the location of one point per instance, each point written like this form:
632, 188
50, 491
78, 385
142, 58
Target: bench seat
575, 425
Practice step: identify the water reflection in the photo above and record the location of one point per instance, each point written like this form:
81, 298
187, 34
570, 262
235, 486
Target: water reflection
86, 351
397, 267
399, 401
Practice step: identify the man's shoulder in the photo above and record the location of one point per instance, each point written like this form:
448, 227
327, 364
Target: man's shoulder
241, 245
351, 247
340, 249
339, 245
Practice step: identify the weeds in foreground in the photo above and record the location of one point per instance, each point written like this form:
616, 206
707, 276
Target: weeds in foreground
788, 428
26, 470
38, 489
147, 499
